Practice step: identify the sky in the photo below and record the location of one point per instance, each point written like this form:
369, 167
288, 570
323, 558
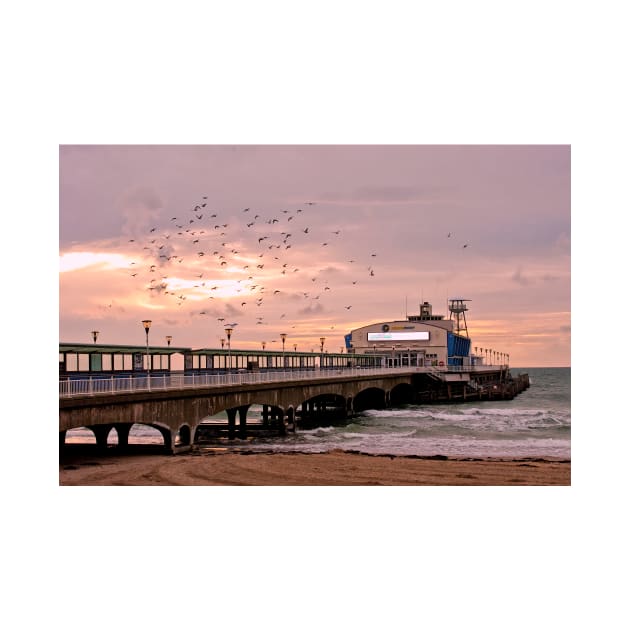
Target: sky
314, 241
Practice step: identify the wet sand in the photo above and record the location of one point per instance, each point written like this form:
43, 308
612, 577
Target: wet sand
335, 468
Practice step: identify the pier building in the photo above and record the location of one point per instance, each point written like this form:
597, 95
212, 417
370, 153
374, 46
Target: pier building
419, 341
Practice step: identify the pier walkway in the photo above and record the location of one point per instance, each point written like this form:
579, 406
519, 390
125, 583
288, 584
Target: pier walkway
176, 404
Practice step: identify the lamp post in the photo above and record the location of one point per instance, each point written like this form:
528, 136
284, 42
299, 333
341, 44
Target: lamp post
228, 332
147, 324
295, 347
263, 344
169, 338
283, 336
321, 351
222, 343
94, 335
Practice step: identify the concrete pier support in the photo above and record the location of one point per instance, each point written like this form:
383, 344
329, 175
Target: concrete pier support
123, 434
291, 419
278, 419
231, 414
242, 424
101, 431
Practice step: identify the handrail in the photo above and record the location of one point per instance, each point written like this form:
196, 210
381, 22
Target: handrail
117, 385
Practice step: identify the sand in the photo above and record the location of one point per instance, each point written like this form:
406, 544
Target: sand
335, 468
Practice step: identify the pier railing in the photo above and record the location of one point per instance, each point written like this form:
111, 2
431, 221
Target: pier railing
96, 386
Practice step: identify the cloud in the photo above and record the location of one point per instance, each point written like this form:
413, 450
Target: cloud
518, 277
140, 207
312, 309
379, 195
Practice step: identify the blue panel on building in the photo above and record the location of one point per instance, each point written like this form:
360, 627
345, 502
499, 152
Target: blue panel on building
457, 347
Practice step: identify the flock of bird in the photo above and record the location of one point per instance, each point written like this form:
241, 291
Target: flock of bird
242, 267
236, 267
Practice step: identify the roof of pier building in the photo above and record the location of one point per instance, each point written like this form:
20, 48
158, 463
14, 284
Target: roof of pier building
95, 348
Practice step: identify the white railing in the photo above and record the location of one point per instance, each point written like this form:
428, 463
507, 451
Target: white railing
118, 385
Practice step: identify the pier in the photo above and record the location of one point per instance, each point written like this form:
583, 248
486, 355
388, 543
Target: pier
179, 406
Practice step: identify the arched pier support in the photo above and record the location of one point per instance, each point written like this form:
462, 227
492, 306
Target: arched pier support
291, 419
101, 431
242, 421
123, 433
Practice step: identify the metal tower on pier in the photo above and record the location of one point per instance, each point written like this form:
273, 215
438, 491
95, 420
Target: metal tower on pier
458, 310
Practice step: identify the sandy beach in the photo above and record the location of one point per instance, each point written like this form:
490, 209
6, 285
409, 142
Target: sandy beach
335, 468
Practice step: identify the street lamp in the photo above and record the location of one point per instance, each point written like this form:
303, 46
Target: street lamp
321, 351
169, 338
94, 335
263, 343
222, 343
283, 336
228, 332
295, 347
147, 324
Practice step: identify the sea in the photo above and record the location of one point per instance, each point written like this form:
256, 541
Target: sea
536, 423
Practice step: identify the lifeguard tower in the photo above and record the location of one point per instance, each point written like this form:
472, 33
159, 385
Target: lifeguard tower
457, 310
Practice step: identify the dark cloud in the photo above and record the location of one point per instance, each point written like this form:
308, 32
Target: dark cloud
312, 309
518, 277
